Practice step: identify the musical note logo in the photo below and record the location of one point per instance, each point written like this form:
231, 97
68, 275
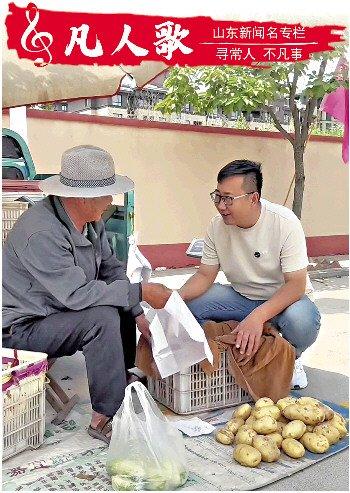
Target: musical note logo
40, 42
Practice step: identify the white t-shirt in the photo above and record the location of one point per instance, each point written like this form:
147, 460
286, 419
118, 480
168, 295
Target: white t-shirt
254, 259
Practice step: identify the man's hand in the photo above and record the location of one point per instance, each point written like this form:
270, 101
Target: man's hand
248, 334
143, 326
155, 294
199, 283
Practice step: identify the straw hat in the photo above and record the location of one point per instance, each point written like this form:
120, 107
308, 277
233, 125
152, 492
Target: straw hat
86, 171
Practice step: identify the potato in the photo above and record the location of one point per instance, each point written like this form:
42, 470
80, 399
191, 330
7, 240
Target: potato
272, 411
339, 426
308, 414
342, 430
224, 436
317, 444
310, 428
247, 455
245, 436
249, 422
286, 401
234, 424
267, 447
244, 427
264, 401
329, 413
312, 415
293, 411
328, 431
294, 429
308, 401
265, 425
280, 427
338, 417
293, 448
260, 440
276, 438
243, 412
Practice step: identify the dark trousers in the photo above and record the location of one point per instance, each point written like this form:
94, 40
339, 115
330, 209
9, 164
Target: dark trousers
105, 335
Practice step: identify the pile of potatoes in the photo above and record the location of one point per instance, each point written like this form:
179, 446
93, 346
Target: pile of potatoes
259, 433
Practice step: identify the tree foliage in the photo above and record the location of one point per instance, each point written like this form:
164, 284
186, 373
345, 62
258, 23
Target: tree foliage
235, 88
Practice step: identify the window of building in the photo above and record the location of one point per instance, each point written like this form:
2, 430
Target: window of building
64, 107
187, 107
256, 116
117, 100
197, 123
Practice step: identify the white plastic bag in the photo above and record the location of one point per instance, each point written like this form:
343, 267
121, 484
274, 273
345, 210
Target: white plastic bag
146, 452
138, 268
178, 341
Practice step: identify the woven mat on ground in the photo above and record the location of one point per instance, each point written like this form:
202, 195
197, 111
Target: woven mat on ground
71, 460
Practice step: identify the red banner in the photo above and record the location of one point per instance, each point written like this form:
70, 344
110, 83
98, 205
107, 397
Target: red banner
76, 38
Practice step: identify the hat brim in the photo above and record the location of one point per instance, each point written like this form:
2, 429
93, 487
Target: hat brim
53, 186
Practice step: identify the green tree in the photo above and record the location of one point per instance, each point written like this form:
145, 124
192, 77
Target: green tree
232, 88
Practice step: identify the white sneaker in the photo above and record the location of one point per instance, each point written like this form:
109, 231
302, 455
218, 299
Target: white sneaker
299, 380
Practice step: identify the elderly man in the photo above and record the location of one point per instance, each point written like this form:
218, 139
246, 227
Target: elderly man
261, 248
64, 290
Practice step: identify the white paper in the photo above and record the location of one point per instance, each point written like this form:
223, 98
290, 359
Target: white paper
18, 121
138, 268
193, 427
178, 341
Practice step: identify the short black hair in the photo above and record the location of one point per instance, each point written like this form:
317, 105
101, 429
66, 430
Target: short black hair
251, 170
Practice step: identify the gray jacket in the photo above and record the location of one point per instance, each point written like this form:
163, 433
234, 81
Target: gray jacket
48, 266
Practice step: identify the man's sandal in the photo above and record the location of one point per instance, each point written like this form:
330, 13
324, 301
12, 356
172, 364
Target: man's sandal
102, 430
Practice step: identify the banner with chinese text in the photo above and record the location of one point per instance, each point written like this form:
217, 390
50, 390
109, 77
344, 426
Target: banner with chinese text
74, 38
